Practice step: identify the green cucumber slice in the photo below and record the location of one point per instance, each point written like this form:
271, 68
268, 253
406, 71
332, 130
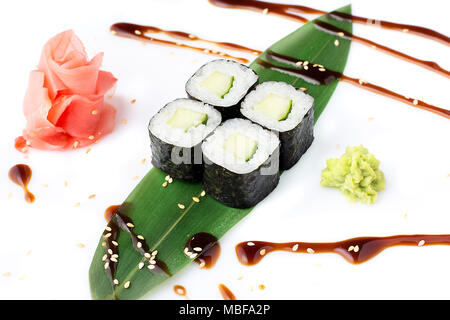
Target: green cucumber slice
219, 83
274, 107
185, 118
241, 146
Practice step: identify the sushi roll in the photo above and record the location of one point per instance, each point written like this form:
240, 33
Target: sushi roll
280, 107
241, 163
222, 84
176, 133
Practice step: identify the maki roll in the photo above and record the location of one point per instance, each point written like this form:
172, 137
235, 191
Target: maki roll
280, 107
176, 133
241, 163
222, 84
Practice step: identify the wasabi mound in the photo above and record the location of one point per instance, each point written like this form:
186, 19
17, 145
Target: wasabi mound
356, 174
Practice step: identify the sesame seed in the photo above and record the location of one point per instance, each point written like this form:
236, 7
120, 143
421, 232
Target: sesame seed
310, 250
305, 67
130, 225
140, 237
113, 260
170, 180
110, 251
340, 34
115, 256
191, 36
336, 42
151, 267
361, 81
250, 244
133, 101
138, 32
206, 51
116, 282
75, 144
103, 244
305, 63
299, 63
203, 193
94, 112
106, 265
115, 243
322, 69
152, 262
147, 255
139, 245
295, 247
186, 251
143, 161
255, 53
104, 257
303, 89
351, 248
88, 150
106, 236
193, 256
195, 199
265, 11
415, 102
113, 32
374, 47
92, 196
222, 54
421, 243
181, 206
198, 249
140, 265
108, 229
126, 285
262, 252
91, 137
405, 30
165, 184
167, 178
154, 253
202, 264
356, 249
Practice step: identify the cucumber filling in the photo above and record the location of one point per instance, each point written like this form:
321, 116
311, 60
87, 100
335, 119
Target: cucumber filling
241, 146
274, 107
185, 119
219, 83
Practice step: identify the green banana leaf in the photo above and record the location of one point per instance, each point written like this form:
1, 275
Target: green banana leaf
155, 210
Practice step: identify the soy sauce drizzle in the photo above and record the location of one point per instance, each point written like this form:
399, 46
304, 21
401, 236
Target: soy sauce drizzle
355, 251
21, 174
118, 223
430, 65
286, 10
135, 31
326, 76
204, 248
226, 293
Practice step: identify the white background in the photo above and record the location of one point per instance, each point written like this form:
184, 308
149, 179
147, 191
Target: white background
412, 145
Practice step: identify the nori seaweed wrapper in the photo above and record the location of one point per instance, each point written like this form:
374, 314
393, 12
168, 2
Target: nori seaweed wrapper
295, 142
241, 190
188, 161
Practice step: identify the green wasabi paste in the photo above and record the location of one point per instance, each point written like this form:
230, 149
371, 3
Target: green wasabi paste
356, 174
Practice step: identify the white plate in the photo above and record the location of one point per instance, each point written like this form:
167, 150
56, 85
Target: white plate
412, 145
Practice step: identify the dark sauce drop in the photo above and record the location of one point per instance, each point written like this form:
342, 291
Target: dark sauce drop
179, 290
355, 251
205, 249
226, 293
20, 174
110, 211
